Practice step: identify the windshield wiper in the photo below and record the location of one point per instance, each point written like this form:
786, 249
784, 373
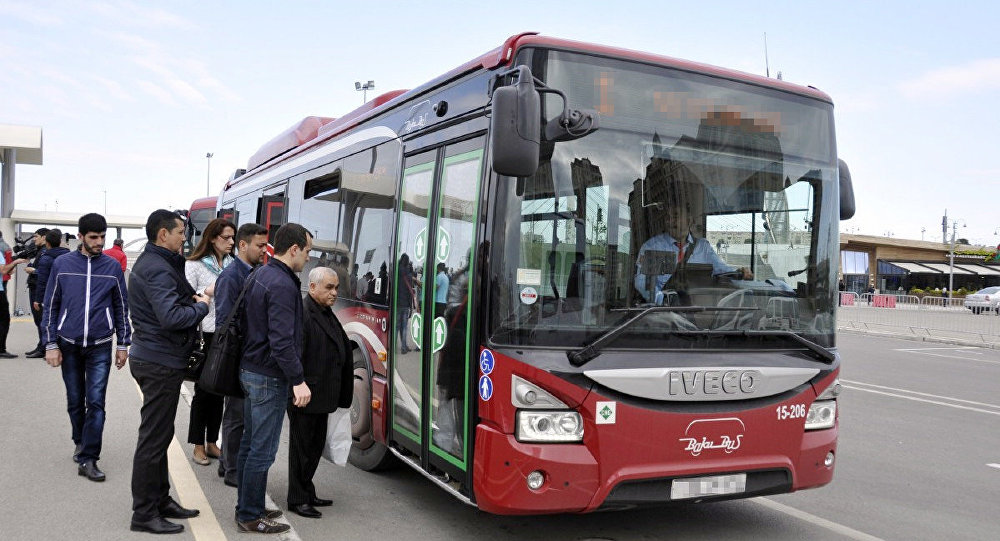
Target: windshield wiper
587, 353
819, 351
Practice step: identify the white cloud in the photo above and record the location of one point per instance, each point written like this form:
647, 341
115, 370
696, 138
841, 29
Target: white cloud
973, 77
31, 13
158, 92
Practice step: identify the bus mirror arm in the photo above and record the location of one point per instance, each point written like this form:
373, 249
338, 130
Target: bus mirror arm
846, 192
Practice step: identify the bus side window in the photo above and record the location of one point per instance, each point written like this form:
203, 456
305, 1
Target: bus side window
369, 185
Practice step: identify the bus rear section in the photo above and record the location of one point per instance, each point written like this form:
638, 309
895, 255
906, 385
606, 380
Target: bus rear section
550, 443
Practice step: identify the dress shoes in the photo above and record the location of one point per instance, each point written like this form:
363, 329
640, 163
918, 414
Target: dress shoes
156, 525
35, 354
172, 509
320, 502
90, 470
7, 355
305, 510
230, 482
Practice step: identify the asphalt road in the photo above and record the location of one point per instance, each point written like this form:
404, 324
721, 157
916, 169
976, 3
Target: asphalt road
919, 433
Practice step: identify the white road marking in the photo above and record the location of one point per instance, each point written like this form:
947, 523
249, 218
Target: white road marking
928, 352
921, 394
813, 519
936, 402
997, 466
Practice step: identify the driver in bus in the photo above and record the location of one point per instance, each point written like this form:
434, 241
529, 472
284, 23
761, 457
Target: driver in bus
679, 244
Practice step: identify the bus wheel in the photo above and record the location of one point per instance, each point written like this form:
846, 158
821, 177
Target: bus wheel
366, 453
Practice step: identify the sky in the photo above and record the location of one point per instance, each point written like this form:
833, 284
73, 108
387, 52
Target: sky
131, 96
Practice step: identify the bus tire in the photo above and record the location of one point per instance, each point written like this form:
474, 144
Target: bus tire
366, 453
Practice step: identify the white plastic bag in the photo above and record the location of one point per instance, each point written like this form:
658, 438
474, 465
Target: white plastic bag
338, 436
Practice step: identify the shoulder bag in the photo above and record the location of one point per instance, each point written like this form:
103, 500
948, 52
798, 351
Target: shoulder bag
221, 374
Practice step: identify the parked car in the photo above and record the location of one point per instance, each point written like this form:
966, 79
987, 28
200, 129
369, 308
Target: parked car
984, 300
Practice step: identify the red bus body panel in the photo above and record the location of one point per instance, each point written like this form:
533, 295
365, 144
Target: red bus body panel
642, 444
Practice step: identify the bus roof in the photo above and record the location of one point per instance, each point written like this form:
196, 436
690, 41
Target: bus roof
204, 203
314, 130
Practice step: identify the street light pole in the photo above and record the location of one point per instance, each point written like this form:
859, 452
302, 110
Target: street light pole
208, 174
951, 259
364, 88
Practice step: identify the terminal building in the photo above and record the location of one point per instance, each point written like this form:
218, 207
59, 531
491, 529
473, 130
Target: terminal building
892, 264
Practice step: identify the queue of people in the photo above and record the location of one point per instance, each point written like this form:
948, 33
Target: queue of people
296, 357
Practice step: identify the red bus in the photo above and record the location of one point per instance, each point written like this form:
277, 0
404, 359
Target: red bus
201, 212
524, 333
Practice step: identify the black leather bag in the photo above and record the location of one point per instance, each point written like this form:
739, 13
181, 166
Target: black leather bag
221, 374
196, 361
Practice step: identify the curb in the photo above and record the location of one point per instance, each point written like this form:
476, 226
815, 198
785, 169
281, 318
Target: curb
933, 339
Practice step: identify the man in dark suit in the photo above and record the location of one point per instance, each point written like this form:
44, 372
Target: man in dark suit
328, 370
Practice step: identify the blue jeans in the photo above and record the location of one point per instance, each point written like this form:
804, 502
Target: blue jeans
263, 413
85, 372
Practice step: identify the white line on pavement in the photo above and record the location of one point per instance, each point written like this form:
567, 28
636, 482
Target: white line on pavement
924, 351
997, 466
939, 403
920, 394
813, 519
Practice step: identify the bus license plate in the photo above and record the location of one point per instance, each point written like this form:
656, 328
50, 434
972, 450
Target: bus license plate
716, 485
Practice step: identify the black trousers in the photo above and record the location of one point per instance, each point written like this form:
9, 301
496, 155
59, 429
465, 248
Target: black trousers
307, 437
206, 410
37, 316
4, 319
161, 389
232, 434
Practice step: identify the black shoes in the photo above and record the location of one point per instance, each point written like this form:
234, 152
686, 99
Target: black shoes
7, 355
35, 354
320, 502
76, 452
262, 525
172, 509
305, 510
90, 470
230, 482
156, 525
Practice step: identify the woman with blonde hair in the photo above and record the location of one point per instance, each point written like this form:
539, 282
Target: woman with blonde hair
213, 253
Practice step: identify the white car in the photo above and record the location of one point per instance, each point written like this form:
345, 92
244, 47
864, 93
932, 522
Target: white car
984, 300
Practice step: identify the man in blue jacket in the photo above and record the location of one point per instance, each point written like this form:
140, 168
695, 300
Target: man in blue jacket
165, 312
272, 362
85, 307
53, 249
251, 245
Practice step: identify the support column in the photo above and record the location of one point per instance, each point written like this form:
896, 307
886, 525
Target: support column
7, 184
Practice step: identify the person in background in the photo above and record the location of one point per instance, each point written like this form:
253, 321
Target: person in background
7, 257
203, 267
84, 308
39, 240
6, 268
441, 282
328, 369
117, 253
272, 363
53, 249
251, 246
166, 312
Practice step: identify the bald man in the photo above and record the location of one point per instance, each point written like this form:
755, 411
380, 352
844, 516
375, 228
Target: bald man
328, 370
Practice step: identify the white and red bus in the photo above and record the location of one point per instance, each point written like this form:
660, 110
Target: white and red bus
522, 334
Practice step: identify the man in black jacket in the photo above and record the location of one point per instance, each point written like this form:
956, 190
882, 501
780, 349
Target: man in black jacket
272, 363
38, 240
165, 315
328, 370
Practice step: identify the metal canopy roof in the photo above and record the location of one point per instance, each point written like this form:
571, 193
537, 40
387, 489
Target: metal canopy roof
913, 267
944, 268
982, 270
26, 141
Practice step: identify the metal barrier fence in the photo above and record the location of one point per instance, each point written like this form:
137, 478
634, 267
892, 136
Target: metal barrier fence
940, 317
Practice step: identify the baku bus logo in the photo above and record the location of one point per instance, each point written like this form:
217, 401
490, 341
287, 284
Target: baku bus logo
709, 434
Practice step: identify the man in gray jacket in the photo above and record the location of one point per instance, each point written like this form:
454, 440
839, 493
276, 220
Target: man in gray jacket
165, 316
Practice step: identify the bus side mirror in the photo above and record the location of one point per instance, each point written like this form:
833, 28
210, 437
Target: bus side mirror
846, 192
515, 126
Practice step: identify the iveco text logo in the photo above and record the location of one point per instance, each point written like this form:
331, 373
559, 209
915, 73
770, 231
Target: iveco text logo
710, 382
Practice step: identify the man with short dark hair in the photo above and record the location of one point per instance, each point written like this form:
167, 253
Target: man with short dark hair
38, 239
117, 253
166, 312
53, 249
84, 308
251, 246
272, 362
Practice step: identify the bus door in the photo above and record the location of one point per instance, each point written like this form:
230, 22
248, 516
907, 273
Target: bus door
273, 213
439, 205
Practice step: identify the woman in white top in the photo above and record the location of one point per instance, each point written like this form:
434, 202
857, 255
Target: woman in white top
213, 253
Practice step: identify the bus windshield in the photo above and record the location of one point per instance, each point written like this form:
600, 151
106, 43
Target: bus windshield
703, 193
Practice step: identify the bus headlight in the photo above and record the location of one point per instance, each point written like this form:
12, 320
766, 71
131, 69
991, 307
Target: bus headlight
549, 426
822, 414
